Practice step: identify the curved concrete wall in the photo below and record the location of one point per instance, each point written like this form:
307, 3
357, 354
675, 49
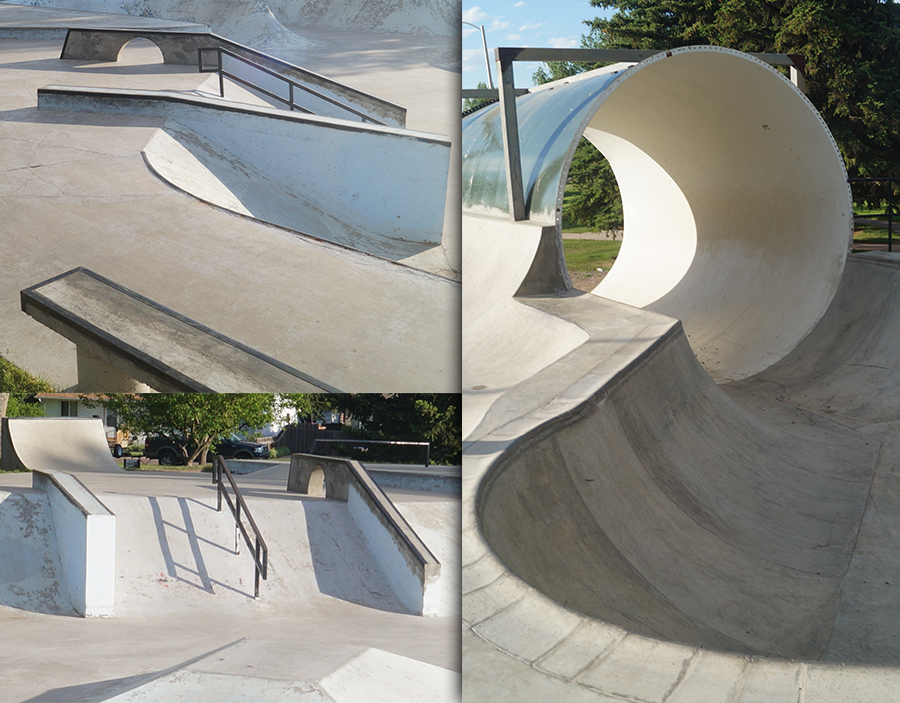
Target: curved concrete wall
677, 515
735, 195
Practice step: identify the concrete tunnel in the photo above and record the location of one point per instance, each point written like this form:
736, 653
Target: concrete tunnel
736, 202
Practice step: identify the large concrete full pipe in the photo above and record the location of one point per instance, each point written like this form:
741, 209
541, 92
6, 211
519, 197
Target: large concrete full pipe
737, 208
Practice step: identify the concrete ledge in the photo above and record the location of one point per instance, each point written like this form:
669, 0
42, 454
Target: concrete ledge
181, 47
408, 564
410, 479
150, 343
86, 537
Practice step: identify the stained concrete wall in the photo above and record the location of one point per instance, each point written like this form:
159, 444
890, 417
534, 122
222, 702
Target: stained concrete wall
86, 536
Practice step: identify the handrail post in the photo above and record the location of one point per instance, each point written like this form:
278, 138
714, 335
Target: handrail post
221, 73
256, 572
237, 527
291, 95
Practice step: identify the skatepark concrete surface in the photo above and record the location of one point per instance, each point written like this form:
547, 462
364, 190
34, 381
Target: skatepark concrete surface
95, 190
638, 526
327, 626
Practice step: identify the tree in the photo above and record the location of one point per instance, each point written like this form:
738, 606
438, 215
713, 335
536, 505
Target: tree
431, 417
19, 389
851, 50
196, 418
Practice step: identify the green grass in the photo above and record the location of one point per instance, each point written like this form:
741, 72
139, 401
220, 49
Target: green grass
590, 254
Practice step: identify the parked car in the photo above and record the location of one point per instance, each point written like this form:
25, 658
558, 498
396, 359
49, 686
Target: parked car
168, 451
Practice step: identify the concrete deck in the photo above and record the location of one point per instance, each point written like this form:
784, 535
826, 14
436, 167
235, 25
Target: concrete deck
327, 625
383, 326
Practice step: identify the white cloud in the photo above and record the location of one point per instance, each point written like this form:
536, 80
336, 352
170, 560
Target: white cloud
474, 15
497, 25
521, 3
564, 42
513, 37
530, 26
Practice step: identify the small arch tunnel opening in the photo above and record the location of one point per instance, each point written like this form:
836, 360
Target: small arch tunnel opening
140, 52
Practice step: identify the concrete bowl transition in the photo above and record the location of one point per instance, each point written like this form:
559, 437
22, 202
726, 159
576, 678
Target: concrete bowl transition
685, 493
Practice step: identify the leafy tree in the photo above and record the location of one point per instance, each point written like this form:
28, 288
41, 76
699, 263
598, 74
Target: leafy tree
851, 49
197, 418
18, 389
418, 417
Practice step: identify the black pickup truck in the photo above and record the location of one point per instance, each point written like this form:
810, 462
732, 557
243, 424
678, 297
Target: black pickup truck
169, 451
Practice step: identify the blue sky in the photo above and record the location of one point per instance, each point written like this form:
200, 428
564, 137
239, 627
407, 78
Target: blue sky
536, 23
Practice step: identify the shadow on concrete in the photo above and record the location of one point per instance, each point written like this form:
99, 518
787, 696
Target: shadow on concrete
104, 690
343, 566
177, 570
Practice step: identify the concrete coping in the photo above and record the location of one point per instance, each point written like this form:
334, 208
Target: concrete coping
151, 343
72, 488
49, 98
337, 476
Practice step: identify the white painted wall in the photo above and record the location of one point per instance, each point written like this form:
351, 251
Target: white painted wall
86, 538
406, 581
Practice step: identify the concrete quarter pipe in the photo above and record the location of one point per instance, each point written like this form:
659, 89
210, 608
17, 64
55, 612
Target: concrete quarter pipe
686, 493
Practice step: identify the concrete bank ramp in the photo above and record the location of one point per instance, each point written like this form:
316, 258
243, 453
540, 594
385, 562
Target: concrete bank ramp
176, 554
374, 675
343, 183
261, 22
681, 516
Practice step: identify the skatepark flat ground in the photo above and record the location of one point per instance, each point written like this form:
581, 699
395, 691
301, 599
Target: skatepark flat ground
186, 623
78, 193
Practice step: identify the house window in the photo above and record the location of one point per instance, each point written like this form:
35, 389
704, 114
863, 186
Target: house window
69, 408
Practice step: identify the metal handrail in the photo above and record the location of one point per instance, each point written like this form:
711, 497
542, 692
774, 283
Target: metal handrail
258, 545
289, 101
354, 442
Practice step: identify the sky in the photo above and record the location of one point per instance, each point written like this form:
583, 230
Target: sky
519, 23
